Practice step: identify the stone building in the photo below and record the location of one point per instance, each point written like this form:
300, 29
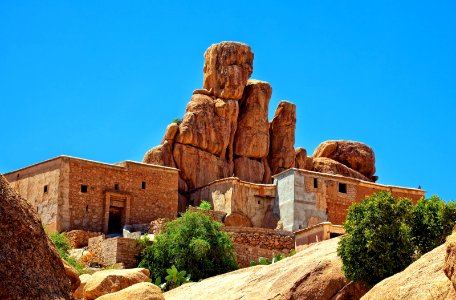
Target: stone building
72, 193
306, 198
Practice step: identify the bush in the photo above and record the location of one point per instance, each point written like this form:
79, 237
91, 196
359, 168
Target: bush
63, 247
378, 243
178, 121
205, 205
193, 243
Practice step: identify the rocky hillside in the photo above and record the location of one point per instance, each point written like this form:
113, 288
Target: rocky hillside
226, 132
314, 273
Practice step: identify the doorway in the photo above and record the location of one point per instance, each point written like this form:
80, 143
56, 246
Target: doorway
115, 220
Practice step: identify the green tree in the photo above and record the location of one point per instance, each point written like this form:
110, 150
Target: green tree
194, 243
379, 242
205, 205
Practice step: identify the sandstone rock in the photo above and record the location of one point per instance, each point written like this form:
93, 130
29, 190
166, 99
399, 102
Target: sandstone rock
199, 167
79, 292
170, 132
110, 281
424, 279
300, 158
252, 134
309, 163
30, 267
238, 219
327, 165
142, 290
355, 155
227, 66
267, 179
450, 258
282, 134
73, 275
314, 273
209, 124
249, 170
161, 155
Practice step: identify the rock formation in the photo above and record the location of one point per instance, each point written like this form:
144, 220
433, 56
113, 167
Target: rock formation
139, 291
314, 273
30, 267
450, 258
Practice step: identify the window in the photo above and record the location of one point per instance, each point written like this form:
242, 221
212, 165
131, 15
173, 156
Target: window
315, 183
83, 188
45, 188
116, 186
342, 188
143, 185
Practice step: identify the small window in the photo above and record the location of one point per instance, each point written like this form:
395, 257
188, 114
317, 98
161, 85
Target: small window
143, 185
315, 183
342, 188
83, 188
258, 201
116, 186
45, 188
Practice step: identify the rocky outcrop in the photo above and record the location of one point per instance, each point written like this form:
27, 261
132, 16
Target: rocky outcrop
355, 155
314, 273
73, 275
227, 66
161, 155
424, 279
142, 290
450, 258
79, 292
282, 133
301, 158
249, 169
110, 281
327, 165
30, 267
237, 219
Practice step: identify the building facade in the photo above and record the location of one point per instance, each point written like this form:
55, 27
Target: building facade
72, 193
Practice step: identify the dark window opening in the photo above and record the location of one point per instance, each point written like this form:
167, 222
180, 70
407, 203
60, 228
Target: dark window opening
83, 188
45, 188
258, 201
116, 186
315, 183
17, 176
343, 188
143, 185
87, 208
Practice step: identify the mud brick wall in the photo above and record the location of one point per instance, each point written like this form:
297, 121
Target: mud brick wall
120, 250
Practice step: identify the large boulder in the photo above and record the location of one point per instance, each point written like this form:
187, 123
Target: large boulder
300, 158
138, 291
78, 294
422, 280
30, 267
199, 167
209, 124
314, 273
252, 134
355, 155
171, 132
161, 155
110, 281
73, 275
227, 67
450, 258
282, 133
249, 170
327, 165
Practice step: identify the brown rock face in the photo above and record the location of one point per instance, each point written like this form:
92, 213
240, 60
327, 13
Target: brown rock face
355, 155
79, 293
252, 135
199, 167
247, 169
238, 219
227, 66
300, 158
327, 165
161, 155
424, 279
30, 267
73, 275
209, 124
450, 258
282, 133
142, 290
170, 132
314, 273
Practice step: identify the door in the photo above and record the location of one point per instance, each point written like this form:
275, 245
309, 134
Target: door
115, 220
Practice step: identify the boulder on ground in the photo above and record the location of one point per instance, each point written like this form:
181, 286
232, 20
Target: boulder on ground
252, 134
73, 275
227, 66
249, 170
30, 267
314, 273
355, 155
78, 294
282, 133
327, 165
142, 291
450, 258
110, 281
422, 280
209, 124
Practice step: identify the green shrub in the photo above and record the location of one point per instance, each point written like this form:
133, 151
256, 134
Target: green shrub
194, 243
379, 242
178, 121
205, 205
63, 247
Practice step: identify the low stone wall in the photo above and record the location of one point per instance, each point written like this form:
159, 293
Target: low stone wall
252, 243
80, 238
114, 250
317, 233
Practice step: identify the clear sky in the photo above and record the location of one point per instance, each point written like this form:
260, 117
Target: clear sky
102, 79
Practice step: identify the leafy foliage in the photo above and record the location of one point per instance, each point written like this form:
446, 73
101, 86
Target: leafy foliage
205, 205
379, 242
175, 278
178, 121
193, 243
63, 247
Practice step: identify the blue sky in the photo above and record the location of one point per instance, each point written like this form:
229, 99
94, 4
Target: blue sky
102, 79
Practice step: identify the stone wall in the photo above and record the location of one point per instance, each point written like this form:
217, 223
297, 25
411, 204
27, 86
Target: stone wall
252, 243
317, 233
80, 238
120, 250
